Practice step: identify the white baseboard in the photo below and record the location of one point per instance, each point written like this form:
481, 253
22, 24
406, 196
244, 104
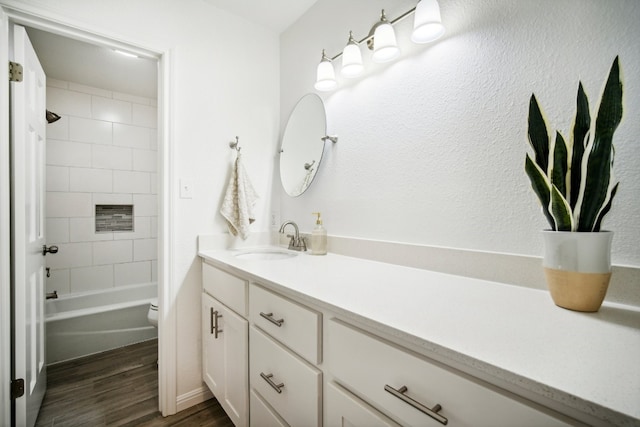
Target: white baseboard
192, 398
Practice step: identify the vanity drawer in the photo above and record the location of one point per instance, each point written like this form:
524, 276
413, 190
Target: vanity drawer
294, 325
370, 368
226, 288
288, 384
344, 409
262, 415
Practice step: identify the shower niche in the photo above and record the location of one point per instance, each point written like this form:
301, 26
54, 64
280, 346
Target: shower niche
114, 218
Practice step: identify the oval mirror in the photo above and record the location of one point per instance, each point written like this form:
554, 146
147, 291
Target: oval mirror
302, 144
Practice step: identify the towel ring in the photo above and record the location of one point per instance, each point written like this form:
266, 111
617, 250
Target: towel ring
234, 144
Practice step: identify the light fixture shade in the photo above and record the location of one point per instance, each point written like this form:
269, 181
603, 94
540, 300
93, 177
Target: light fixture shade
427, 24
351, 59
385, 47
325, 75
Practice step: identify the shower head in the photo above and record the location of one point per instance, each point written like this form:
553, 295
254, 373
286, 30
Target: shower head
52, 117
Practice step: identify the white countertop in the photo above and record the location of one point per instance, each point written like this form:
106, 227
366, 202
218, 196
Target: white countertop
588, 362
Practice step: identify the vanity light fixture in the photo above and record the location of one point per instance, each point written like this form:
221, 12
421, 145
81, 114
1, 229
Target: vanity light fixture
427, 27
427, 23
351, 58
385, 47
325, 76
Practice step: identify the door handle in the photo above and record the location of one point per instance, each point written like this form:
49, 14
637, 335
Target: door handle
50, 249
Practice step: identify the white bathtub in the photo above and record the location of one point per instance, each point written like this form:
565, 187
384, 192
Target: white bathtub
81, 324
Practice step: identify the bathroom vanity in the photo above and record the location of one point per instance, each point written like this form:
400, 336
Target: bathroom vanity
329, 341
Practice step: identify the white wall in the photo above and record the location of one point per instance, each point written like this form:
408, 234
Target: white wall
225, 83
432, 146
103, 150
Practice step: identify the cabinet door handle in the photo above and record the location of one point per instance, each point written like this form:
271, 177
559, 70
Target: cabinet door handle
216, 328
267, 378
269, 317
432, 412
214, 323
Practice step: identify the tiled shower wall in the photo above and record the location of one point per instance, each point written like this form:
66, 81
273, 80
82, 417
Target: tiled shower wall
102, 151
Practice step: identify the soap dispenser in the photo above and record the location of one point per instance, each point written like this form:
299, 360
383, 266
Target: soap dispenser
318, 237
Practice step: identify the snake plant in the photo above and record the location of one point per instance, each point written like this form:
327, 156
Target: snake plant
574, 180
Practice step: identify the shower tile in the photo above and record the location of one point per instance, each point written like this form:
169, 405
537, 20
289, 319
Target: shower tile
154, 183
110, 157
60, 205
57, 230
91, 278
145, 249
58, 281
92, 131
65, 153
153, 139
145, 205
89, 90
131, 182
84, 230
70, 255
132, 273
145, 160
144, 115
154, 227
57, 178
133, 136
154, 270
110, 110
58, 129
68, 103
141, 230
112, 252
112, 199
132, 98
90, 180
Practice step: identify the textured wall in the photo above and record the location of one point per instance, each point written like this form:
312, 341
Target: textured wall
432, 146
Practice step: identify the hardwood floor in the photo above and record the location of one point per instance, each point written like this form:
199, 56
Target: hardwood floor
116, 388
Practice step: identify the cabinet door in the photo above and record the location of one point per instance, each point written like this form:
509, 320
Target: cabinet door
342, 409
225, 344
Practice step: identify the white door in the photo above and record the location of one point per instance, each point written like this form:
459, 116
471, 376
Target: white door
28, 188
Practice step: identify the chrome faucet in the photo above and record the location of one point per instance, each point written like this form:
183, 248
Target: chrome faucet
296, 243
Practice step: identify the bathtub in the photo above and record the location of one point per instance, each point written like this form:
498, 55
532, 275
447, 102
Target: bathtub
91, 322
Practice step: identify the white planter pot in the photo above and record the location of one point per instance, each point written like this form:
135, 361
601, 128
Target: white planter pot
577, 266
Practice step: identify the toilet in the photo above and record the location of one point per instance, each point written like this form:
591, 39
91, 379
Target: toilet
152, 315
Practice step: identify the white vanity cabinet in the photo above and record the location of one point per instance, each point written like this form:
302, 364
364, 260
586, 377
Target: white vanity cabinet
225, 343
415, 391
277, 355
285, 341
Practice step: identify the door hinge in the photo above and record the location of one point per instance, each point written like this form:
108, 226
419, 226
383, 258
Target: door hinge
15, 72
17, 388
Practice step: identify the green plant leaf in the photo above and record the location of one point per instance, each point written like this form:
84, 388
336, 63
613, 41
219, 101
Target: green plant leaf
606, 208
560, 210
538, 136
597, 169
559, 168
540, 186
581, 127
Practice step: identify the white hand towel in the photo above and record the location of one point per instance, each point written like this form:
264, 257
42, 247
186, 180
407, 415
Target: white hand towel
239, 201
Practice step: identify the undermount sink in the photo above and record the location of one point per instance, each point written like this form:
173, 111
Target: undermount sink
265, 254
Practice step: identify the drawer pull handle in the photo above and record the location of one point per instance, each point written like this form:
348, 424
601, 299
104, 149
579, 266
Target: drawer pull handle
214, 323
269, 317
432, 412
267, 378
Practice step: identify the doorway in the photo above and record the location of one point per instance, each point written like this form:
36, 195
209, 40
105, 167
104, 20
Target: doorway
167, 363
